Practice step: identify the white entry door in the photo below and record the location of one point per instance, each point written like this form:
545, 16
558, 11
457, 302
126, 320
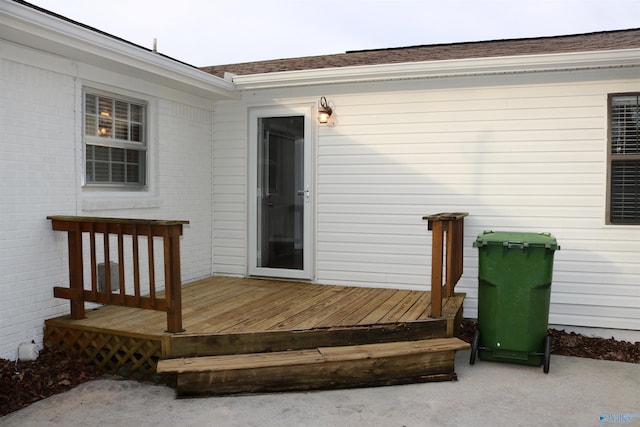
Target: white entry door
280, 192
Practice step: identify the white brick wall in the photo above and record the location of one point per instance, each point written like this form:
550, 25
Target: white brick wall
185, 181
36, 179
40, 174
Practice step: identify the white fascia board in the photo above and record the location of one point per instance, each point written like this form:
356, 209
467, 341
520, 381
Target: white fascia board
445, 68
24, 25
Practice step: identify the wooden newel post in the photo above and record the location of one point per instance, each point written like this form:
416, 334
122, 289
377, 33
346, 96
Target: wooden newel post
447, 233
173, 286
76, 280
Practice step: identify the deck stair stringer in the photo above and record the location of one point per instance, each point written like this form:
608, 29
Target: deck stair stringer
350, 366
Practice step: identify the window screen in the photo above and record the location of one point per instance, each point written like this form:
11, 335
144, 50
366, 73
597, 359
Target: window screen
115, 142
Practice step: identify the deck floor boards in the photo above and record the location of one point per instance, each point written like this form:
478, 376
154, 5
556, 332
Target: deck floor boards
422, 305
249, 307
276, 320
311, 315
382, 309
264, 313
230, 305
346, 308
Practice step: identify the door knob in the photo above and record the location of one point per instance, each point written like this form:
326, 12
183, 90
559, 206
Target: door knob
306, 193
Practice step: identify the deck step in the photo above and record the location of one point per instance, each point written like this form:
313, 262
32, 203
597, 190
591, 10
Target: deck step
319, 368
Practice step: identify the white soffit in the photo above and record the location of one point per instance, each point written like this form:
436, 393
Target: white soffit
445, 68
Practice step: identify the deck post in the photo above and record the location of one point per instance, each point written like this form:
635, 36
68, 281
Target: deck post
438, 229
76, 272
172, 273
451, 224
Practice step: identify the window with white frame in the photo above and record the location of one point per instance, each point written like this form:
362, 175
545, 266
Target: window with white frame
115, 145
624, 159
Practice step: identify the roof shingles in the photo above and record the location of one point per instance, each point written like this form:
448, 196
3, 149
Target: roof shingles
606, 40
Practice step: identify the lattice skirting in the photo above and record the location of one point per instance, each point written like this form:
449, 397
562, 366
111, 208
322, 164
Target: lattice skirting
134, 357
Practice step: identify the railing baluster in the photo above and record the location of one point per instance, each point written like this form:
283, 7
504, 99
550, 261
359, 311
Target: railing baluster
458, 260
121, 262
152, 273
136, 264
450, 263
94, 273
107, 265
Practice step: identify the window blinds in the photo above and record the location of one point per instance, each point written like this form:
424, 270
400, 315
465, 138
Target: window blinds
624, 203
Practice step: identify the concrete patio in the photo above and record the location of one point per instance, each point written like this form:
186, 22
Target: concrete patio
580, 392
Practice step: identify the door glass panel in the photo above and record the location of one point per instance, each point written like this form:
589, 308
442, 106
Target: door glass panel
281, 192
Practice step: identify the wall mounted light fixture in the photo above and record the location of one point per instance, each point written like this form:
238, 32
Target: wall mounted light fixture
324, 112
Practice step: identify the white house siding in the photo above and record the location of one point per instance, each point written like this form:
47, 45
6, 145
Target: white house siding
523, 152
230, 189
41, 169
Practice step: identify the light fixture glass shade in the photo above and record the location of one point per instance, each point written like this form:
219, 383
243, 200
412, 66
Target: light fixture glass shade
323, 116
324, 112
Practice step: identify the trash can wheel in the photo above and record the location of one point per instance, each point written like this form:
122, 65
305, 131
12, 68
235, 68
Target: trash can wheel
547, 353
474, 347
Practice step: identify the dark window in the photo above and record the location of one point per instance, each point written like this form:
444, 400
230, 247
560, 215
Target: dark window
624, 159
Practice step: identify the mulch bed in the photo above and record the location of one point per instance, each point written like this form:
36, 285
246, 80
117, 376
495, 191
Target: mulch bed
23, 383
573, 344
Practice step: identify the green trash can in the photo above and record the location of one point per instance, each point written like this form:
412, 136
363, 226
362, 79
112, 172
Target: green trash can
514, 288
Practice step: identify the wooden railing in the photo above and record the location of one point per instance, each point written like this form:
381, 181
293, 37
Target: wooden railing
144, 295
447, 232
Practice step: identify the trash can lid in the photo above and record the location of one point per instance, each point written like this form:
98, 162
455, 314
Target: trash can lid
516, 239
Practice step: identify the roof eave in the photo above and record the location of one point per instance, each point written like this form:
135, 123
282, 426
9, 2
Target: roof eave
443, 68
38, 30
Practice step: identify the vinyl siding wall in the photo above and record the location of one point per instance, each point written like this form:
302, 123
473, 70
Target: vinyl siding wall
520, 152
230, 162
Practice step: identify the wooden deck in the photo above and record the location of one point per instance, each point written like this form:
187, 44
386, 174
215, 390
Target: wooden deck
231, 316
